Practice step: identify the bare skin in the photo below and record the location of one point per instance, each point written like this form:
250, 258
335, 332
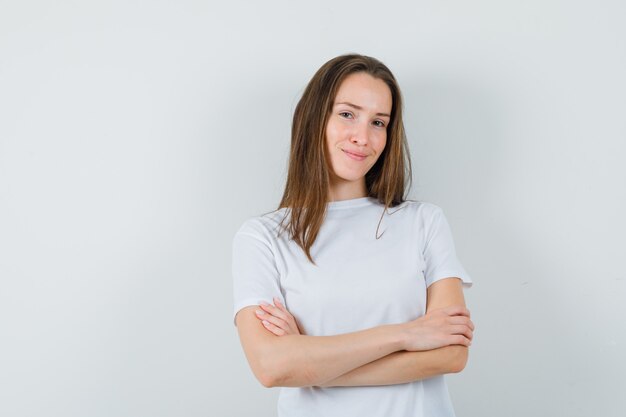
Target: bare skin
278, 320
357, 124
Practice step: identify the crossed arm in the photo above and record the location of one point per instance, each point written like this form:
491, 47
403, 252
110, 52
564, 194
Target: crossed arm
404, 366
375, 356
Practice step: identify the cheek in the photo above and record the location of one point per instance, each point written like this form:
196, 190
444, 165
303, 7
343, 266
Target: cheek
332, 132
328, 139
381, 143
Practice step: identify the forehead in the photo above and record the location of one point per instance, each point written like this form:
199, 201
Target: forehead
365, 91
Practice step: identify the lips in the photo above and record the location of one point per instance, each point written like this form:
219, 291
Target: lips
355, 156
355, 153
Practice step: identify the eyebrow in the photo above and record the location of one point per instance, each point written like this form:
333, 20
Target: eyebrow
361, 108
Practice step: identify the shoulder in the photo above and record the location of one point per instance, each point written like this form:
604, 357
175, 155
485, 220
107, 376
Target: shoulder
421, 209
424, 216
263, 227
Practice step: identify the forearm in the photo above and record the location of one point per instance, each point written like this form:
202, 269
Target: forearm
358, 358
404, 366
300, 360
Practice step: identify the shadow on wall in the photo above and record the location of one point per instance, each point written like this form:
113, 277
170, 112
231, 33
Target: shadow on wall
454, 135
518, 241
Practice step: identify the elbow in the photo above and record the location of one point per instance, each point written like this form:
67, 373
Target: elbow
282, 374
265, 374
266, 380
274, 367
273, 372
459, 358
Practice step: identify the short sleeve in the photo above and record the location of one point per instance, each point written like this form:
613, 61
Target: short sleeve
439, 251
255, 276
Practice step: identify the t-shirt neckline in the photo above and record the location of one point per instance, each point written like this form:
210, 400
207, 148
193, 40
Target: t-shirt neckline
350, 203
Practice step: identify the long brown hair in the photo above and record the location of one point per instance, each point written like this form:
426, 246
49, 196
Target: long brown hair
307, 187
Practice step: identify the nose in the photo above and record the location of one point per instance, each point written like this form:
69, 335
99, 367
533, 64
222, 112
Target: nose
360, 134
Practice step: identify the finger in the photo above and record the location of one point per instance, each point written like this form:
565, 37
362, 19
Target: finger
279, 304
274, 311
276, 331
460, 340
272, 328
461, 320
263, 315
281, 307
462, 330
278, 322
457, 310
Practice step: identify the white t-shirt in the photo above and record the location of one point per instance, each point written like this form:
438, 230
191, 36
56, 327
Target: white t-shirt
359, 282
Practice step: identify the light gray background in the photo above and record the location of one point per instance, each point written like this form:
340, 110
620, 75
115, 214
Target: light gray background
136, 137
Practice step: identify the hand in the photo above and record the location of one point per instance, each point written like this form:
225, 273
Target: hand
438, 328
277, 319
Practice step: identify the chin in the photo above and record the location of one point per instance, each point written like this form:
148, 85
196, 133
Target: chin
349, 176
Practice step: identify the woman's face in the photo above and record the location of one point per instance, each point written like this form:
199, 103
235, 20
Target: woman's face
356, 132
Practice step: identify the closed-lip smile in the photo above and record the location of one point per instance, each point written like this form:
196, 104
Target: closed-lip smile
355, 153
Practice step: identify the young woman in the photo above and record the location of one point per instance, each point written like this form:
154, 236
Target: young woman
349, 296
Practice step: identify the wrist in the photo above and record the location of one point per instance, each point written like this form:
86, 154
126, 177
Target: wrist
398, 336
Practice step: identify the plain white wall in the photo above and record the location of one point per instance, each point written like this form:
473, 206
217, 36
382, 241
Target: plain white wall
135, 138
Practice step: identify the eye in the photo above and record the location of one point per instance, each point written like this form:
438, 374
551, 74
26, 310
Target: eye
345, 114
379, 123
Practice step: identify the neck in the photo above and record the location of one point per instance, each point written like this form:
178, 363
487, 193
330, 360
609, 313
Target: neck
347, 190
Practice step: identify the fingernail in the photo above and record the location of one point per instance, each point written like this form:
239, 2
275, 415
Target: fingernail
265, 322
260, 312
263, 303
